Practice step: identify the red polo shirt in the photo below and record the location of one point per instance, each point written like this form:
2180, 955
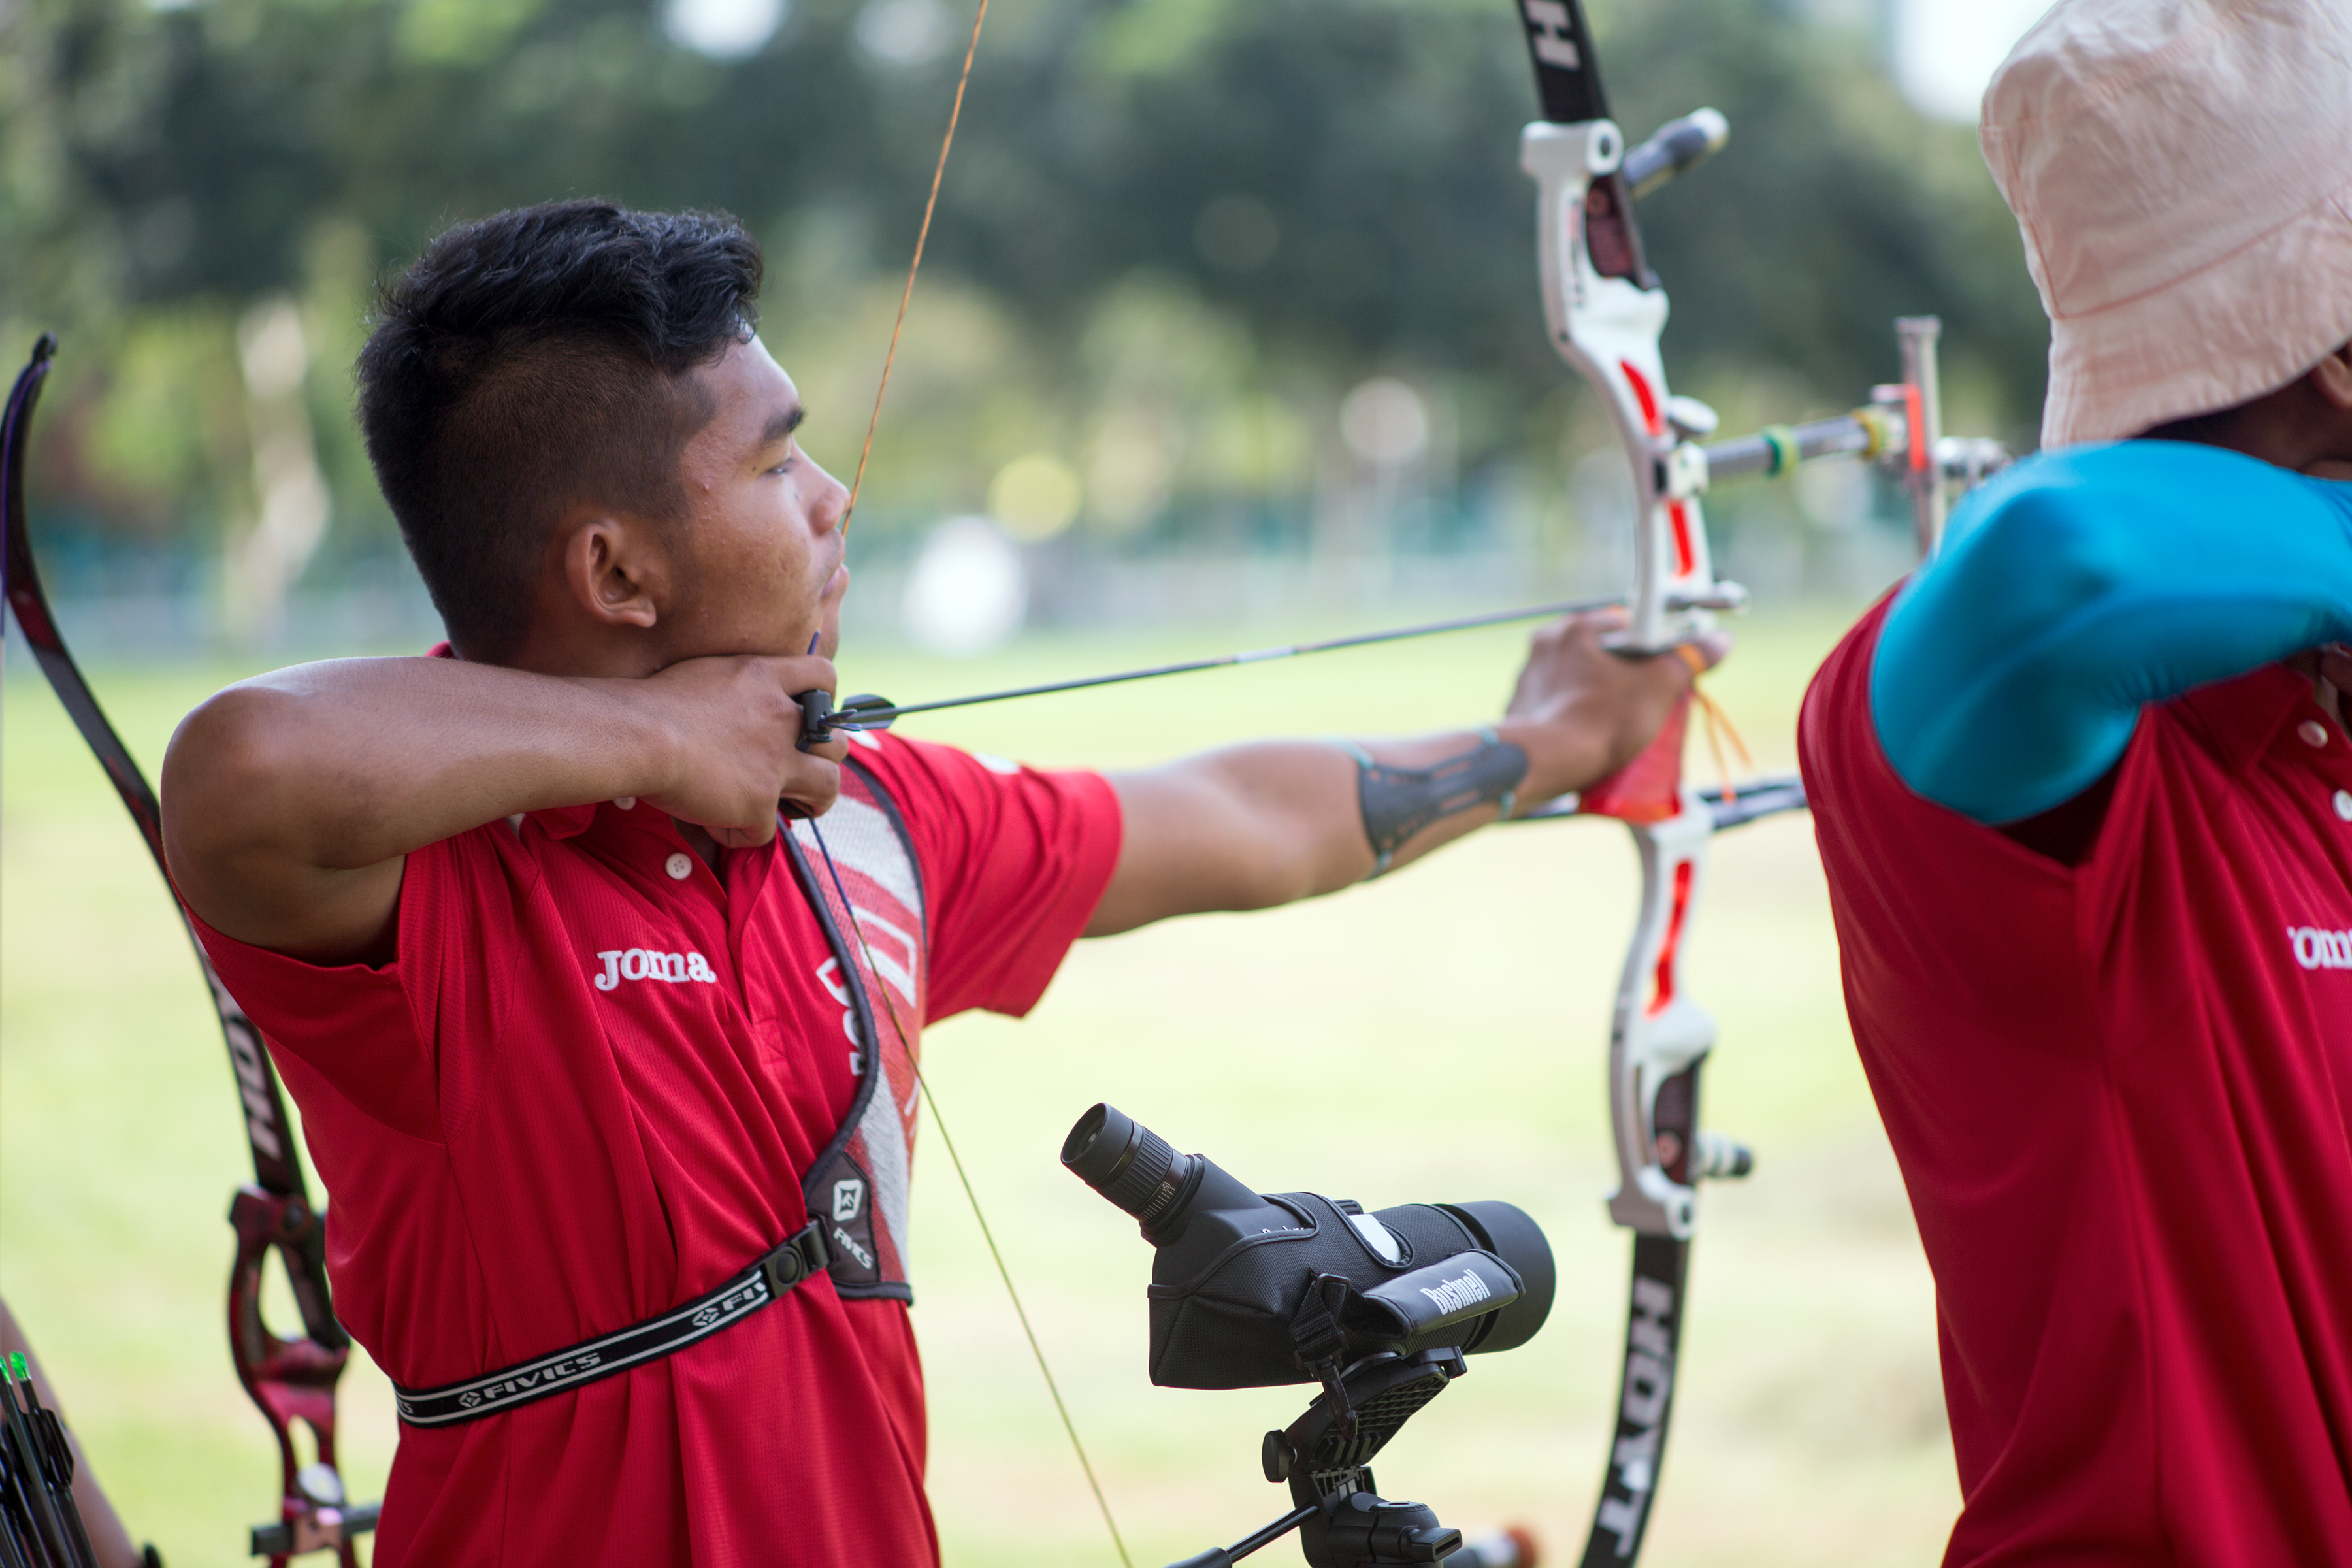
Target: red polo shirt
2120, 1094
521, 1159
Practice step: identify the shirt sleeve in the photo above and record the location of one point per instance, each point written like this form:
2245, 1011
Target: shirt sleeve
365, 1032
1013, 861
345, 1025
2081, 586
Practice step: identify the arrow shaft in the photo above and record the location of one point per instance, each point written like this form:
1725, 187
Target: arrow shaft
868, 717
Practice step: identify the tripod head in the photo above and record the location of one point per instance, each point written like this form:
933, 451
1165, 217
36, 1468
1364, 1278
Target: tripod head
1325, 1456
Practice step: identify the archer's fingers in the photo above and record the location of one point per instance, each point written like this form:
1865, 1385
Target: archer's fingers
810, 786
1590, 626
2335, 665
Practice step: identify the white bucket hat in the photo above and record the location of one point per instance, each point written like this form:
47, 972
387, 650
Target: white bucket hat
2181, 171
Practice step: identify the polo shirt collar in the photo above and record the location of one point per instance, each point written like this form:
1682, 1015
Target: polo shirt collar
564, 821
558, 822
2244, 715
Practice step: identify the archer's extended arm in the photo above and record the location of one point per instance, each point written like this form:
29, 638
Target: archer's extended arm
2082, 585
1250, 827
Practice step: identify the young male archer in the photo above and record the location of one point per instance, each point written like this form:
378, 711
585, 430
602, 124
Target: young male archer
613, 1081
2083, 789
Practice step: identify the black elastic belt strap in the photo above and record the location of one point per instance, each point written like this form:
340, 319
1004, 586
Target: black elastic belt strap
804, 1256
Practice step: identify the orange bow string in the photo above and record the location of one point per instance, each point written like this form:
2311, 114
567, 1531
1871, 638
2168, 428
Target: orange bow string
922, 237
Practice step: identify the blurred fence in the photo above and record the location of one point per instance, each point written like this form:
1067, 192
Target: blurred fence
966, 586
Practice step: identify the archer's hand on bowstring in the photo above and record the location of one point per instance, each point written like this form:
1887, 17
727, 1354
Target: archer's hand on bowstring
292, 800
1249, 827
737, 728
1581, 712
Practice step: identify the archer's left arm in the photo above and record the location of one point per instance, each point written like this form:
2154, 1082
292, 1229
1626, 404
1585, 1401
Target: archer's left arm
1249, 827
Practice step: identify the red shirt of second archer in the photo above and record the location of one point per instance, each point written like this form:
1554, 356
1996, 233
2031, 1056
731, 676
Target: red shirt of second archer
2121, 1094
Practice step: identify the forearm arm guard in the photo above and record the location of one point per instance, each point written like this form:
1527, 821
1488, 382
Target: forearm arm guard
1400, 802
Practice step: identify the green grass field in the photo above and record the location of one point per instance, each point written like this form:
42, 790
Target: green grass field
1437, 1035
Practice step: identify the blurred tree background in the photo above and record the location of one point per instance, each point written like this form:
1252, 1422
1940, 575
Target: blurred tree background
1209, 280
1230, 312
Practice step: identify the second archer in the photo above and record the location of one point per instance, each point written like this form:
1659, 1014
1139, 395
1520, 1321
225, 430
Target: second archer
611, 1080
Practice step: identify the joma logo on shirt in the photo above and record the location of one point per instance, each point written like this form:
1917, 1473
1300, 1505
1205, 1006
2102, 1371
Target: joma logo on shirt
2316, 948
2320, 948
638, 964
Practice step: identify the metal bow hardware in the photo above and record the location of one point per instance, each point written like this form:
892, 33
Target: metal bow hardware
1605, 309
290, 1380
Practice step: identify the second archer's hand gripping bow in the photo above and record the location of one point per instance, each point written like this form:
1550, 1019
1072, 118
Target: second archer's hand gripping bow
1605, 310
291, 1380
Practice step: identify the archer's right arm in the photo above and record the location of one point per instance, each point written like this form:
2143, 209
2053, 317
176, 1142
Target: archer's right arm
2079, 588
292, 800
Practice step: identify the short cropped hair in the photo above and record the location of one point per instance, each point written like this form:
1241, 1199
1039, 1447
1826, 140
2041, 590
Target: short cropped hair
537, 359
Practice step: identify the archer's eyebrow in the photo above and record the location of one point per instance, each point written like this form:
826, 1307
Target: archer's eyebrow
781, 424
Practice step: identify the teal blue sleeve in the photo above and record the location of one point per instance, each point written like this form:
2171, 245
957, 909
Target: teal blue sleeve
2080, 587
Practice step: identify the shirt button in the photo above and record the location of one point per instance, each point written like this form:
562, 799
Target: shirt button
681, 865
2313, 731
2344, 803
629, 802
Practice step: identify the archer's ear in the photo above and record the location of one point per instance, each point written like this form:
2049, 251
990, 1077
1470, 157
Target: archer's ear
616, 570
2332, 377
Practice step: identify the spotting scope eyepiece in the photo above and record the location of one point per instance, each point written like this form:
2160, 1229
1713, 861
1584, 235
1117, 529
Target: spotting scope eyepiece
1141, 1173
1125, 1162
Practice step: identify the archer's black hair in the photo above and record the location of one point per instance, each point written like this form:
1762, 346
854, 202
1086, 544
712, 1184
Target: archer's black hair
535, 358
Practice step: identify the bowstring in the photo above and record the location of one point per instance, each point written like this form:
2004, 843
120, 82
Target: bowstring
922, 235
899, 1028
898, 1025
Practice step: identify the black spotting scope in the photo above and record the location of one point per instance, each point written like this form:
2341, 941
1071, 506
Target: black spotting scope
1251, 1289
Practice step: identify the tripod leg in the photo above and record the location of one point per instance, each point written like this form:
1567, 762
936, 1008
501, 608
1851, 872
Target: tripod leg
1226, 1556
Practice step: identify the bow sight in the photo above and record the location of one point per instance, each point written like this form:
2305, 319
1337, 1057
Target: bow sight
1252, 1290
